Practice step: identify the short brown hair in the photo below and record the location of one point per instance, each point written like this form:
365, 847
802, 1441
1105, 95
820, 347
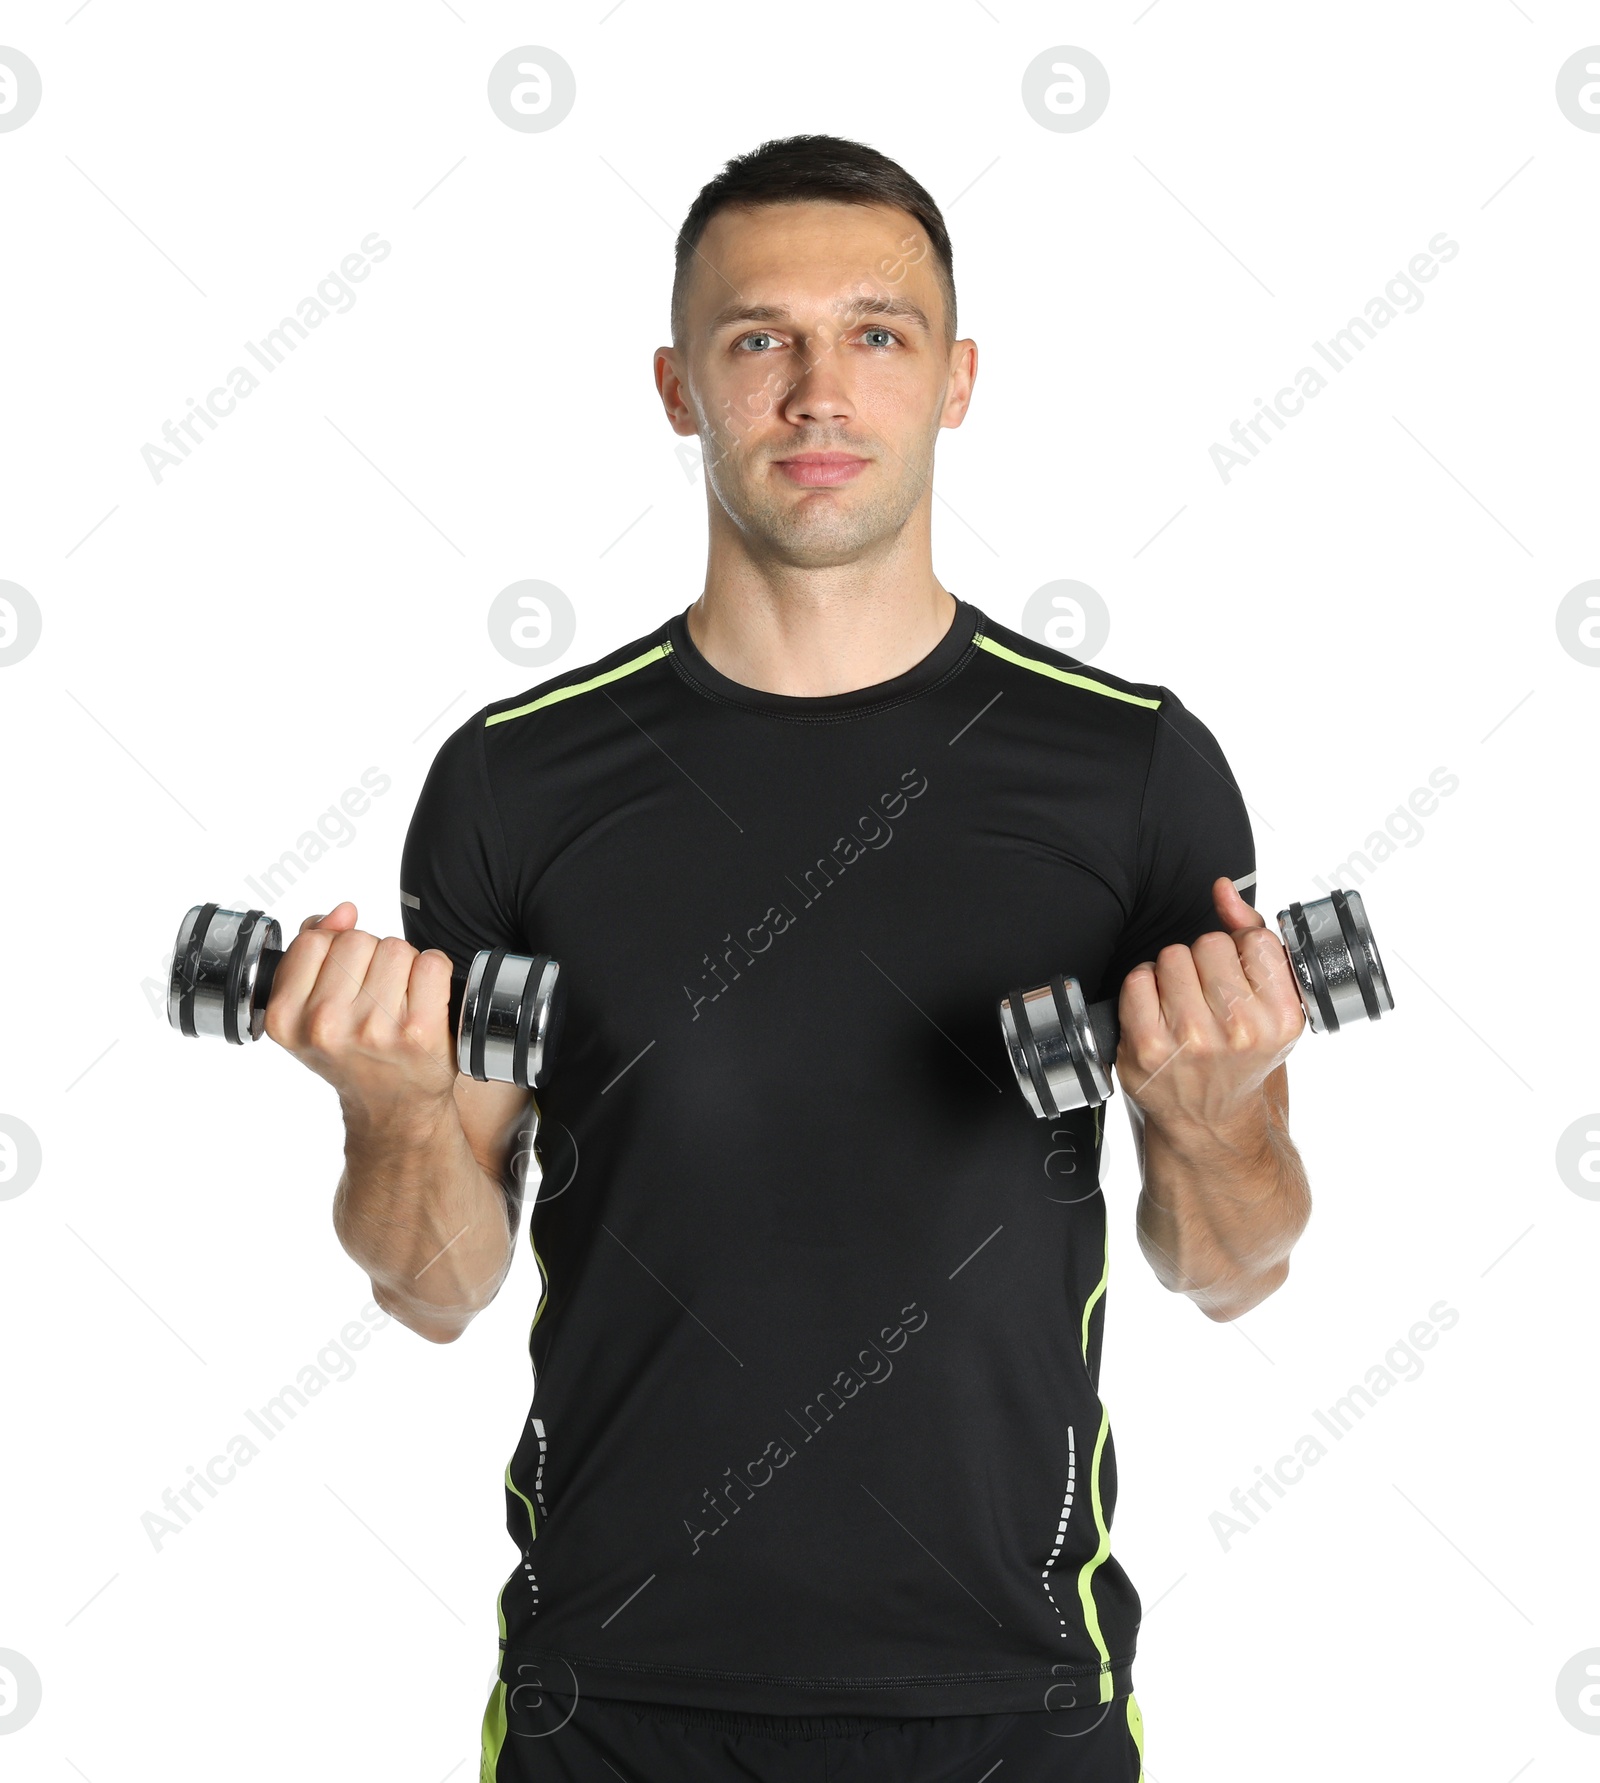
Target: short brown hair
793, 169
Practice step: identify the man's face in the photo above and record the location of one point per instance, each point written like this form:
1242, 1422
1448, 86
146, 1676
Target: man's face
815, 370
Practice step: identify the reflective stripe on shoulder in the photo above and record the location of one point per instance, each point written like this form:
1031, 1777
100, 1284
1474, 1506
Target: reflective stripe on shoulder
567, 693
1055, 674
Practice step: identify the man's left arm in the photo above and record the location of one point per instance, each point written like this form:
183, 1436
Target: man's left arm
1205, 1031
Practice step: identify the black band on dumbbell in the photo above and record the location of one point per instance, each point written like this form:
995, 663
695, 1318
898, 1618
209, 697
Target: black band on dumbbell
1030, 1052
480, 1013
525, 1014
190, 969
1319, 982
236, 963
1080, 1064
1358, 953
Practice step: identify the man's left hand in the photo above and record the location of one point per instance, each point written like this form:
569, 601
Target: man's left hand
1203, 1026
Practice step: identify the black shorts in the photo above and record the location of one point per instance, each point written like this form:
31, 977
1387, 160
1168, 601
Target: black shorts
600, 1739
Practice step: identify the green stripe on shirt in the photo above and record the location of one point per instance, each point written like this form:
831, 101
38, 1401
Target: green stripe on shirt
1055, 674
567, 693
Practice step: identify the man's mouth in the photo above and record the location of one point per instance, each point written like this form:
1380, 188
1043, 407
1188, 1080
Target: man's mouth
819, 469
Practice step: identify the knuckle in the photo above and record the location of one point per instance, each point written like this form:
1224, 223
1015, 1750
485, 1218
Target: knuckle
1200, 1041
309, 944
375, 1031
1149, 1053
348, 955
1138, 979
393, 948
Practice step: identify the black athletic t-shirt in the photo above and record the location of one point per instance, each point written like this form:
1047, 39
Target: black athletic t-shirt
815, 1425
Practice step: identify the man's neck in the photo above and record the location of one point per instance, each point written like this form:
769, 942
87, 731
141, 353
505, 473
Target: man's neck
808, 642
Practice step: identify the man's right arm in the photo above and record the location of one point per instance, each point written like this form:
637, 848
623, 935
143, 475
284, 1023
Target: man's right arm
430, 1197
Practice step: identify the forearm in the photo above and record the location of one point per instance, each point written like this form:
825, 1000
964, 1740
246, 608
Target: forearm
1220, 1209
415, 1209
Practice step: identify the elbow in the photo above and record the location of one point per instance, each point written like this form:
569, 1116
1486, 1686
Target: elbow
1226, 1301
430, 1322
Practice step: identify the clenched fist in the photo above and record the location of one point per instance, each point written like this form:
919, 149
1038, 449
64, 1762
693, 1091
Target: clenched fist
1203, 1026
370, 1015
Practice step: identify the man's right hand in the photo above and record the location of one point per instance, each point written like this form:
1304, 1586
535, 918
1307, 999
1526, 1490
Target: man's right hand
370, 1015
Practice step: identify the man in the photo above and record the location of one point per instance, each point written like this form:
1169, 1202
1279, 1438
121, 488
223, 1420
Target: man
817, 1481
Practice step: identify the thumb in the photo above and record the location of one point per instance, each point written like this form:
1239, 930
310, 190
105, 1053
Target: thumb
1236, 914
341, 916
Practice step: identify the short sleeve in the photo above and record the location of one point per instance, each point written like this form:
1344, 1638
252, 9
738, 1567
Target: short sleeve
1193, 829
456, 889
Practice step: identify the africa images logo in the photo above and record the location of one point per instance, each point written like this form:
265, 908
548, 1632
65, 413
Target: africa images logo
332, 297
1402, 295
871, 1367
874, 831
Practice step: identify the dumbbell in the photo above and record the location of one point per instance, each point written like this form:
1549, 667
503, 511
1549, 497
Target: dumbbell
506, 1009
1062, 1048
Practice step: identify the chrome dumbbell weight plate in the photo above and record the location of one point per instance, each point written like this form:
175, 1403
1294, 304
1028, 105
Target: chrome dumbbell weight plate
1337, 970
510, 1018
216, 965
1060, 1060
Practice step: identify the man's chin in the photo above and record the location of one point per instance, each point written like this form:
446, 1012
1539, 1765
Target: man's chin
810, 553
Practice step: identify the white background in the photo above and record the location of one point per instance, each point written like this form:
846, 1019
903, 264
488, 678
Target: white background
224, 652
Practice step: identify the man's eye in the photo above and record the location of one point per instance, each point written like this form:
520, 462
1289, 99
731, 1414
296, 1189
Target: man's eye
754, 337
886, 333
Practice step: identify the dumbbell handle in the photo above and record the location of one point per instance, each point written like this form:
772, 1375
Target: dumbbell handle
267, 970
1107, 1028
